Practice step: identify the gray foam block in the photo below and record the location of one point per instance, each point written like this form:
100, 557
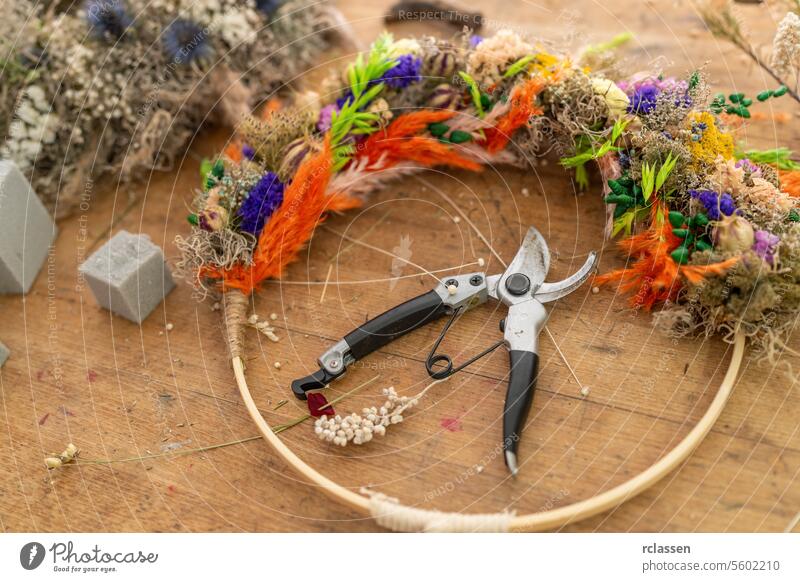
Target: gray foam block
26, 231
4, 353
128, 276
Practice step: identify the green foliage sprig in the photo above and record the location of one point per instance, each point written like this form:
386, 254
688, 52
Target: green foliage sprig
652, 180
518, 66
610, 45
588, 152
474, 92
781, 158
633, 200
351, 119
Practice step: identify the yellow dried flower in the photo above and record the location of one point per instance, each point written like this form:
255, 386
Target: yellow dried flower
546, 65
708, 142
615, 98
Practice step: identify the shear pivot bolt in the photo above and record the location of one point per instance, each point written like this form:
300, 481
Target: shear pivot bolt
518, 284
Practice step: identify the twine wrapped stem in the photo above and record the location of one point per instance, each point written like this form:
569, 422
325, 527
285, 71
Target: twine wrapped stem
235, 315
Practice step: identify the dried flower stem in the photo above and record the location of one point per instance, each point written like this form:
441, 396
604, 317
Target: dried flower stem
277, 429
723, 24
748, 50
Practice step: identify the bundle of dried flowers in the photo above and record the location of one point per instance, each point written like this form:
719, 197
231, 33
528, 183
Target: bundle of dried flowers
120, 86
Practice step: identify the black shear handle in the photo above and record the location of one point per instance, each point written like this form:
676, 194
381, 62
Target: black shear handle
522, 383
375, 334
398, 321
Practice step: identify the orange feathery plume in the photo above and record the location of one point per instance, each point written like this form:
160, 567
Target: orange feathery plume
271, 106
777, 117
400, 142
696, 273
291, 225
233, 151
790, 183
522, 108
654, 276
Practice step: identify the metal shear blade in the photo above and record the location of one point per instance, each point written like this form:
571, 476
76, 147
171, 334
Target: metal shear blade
525, 273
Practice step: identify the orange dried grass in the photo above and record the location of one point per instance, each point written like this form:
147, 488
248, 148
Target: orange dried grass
790, 182
522, 108
233, 151
400, 142
290, 227
654, 276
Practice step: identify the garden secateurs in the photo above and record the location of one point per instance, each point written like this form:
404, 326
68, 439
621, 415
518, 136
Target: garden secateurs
521, 287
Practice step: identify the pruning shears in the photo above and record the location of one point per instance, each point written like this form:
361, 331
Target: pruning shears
521, 287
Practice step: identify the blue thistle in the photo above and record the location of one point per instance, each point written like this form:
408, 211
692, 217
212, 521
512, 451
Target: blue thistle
107, 19
261, 202
186, 41
268, 7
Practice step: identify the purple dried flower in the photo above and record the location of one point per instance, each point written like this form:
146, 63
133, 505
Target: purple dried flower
765, 245
342, 101
404, 73
644, 93
748, 166
260, 203
475, 40
248, 152
643, 99
716, 206
325, 119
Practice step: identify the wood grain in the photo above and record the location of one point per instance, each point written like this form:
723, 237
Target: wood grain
118, 390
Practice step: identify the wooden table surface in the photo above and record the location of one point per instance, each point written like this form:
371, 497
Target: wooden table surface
120, 391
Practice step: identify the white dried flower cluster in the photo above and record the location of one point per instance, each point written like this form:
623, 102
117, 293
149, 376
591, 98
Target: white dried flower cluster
233, 21
35, 125
97, 93
263, 327
490, 58
360, 428
405, 46
20, 21
786, 46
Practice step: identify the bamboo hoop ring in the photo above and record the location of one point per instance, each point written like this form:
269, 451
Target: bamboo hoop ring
391, 514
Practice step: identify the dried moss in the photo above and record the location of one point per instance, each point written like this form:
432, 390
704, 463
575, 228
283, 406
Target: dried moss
269, 137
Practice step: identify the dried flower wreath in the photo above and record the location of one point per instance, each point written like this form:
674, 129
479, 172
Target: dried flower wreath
120, 86
711, 228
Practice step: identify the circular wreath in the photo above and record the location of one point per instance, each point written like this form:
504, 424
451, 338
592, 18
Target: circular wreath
710, 229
